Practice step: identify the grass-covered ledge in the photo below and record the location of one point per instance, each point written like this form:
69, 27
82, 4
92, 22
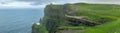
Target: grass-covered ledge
37, 28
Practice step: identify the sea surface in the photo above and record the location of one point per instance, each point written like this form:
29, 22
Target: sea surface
19, 20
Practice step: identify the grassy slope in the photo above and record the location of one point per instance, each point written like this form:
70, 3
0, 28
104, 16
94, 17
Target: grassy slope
96, 11
39, 29
106, 28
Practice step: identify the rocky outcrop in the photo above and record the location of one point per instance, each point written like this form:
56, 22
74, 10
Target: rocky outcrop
54, 17
37, 28
61, 15
80, 21
70, 31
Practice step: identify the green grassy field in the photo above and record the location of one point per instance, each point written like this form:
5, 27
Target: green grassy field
95, 11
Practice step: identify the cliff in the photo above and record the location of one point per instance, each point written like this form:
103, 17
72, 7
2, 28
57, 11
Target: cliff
74, 18
38, 29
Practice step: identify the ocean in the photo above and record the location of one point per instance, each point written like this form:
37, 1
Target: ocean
19, 20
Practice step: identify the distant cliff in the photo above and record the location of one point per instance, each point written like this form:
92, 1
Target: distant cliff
68, 18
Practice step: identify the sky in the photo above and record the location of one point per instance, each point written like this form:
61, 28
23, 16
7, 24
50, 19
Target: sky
20, 4
42, 3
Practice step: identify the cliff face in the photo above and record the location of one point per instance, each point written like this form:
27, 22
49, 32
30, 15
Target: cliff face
66, 18
39, 29
54, 17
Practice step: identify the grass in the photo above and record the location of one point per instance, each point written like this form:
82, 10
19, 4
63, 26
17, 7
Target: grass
110, 12
106, 28
74, 29
71, 28
39, 29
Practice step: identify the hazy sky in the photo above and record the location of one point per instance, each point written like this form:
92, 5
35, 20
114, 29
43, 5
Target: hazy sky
86, 1
20, 4
41, 3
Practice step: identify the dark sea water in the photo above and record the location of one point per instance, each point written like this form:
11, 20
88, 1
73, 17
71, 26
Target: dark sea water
19, 20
